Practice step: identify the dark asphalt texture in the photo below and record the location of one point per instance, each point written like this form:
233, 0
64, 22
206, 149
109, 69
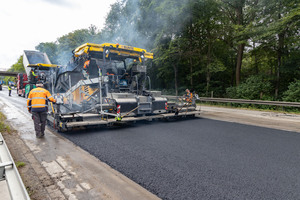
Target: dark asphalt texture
201, 158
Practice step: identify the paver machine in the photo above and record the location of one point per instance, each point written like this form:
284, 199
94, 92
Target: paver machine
38, 68
107, 84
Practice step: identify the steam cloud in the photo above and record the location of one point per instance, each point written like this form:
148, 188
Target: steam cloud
126, 24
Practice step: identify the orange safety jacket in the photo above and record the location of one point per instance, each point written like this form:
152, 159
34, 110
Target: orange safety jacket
189, 97
86, 64
38, 100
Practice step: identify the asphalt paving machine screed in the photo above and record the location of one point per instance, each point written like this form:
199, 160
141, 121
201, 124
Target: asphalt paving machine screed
106, 85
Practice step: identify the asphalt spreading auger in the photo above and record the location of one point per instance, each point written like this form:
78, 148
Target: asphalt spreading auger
106, 85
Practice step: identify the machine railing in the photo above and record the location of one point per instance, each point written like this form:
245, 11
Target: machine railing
10, 174
149, 82
243, 101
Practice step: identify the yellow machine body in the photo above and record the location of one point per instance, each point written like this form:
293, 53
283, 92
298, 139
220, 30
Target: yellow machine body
121, 50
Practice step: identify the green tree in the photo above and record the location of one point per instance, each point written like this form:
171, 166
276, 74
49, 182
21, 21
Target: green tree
255, 87
208, 45
276, 29
17, 67
50, 48
293, 92
60, 51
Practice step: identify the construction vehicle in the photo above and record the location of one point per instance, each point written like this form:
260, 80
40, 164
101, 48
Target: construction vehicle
38, 68
107, 84
22, 81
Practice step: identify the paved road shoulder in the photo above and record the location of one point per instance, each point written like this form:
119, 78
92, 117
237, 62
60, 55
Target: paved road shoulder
276, 120
61, 170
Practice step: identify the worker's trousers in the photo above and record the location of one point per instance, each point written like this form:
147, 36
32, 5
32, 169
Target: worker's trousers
39, 119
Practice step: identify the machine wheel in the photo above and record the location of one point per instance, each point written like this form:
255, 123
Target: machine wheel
61, 130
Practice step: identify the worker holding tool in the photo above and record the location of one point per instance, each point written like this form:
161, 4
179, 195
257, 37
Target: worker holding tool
188, 96
37, 104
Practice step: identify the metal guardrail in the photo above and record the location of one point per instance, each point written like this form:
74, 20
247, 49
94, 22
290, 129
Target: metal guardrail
9, 173
243, 101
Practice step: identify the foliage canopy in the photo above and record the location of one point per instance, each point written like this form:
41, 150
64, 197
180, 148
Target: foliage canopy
233, 48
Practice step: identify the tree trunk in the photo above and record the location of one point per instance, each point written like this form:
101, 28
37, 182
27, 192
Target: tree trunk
279, 61
239, 63
208, 64
279, 55
191, 71
255, 60
238, 68
233, 64
191, 41
176, 77
207, 82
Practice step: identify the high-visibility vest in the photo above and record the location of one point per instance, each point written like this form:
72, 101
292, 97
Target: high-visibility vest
189, 97
9, 87
86, 64
33, 73
37, 99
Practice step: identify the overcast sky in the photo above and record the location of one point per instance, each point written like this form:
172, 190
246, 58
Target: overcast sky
26, 23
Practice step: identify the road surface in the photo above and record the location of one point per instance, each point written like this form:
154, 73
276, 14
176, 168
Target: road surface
201, 158
55, 168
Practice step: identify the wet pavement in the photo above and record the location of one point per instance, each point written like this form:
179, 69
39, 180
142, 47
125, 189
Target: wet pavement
201, 158
64, 170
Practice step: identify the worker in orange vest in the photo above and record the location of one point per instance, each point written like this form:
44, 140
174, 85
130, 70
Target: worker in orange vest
85, 69
86, 64
37, 104
188, 97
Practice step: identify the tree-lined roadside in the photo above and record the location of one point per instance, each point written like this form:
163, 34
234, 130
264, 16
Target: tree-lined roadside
229, 48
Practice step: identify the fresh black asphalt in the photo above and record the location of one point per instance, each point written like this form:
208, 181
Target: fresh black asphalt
201, 158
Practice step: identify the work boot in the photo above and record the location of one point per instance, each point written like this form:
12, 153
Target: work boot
39, 135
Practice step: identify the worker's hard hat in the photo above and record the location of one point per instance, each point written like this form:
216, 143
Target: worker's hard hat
39, 84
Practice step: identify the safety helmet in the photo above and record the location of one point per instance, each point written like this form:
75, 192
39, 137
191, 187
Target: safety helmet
39, 84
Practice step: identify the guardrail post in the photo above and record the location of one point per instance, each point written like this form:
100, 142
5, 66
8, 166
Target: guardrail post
2, 169
9, 172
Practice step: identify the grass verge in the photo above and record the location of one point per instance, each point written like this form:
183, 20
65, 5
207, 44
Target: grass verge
20, 164
4, 127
